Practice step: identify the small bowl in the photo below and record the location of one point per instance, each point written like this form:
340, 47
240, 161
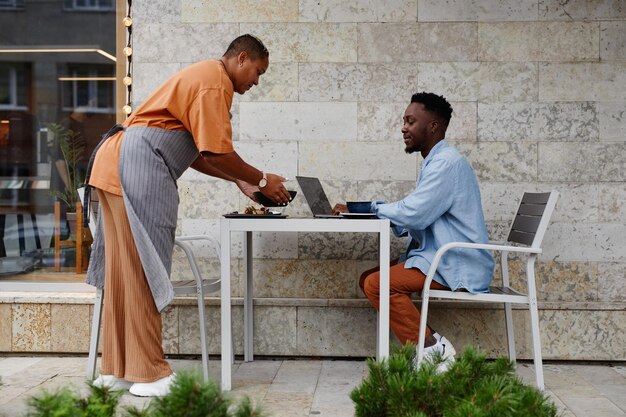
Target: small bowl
359, 206
266, 202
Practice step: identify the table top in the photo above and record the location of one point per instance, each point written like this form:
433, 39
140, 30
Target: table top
306, 224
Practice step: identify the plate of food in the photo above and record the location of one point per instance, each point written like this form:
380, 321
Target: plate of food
253, 212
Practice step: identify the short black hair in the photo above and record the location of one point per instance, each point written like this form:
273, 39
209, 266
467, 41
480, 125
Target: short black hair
249, 43
435, 104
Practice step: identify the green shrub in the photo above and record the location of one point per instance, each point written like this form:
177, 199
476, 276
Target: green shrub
472, 387
188, 397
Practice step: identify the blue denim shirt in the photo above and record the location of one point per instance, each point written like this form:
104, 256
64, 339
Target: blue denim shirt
445, 207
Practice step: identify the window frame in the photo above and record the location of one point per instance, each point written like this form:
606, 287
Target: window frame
72, 6
13, 92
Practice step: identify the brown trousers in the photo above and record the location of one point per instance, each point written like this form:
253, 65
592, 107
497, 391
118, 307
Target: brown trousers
403, 315
131, 345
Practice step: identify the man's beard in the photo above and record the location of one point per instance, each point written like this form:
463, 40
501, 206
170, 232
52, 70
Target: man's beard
411, 149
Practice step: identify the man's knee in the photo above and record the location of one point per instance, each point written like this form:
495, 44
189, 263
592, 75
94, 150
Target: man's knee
371, 284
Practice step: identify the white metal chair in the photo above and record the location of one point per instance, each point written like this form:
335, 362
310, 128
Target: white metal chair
197, 285
528, 228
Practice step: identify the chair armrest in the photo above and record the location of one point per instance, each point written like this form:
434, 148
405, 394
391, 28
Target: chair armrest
181, 239
489, 246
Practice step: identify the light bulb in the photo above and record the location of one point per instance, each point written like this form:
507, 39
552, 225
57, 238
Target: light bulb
127, 80
127, 109
128, 51
127, 21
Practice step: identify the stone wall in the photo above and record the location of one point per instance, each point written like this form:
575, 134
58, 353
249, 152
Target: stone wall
539, 95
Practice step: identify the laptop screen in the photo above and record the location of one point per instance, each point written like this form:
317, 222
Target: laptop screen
315, 195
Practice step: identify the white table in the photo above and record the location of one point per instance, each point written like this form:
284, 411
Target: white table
250, 225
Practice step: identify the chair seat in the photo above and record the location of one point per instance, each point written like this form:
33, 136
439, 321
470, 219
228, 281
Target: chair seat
495, 295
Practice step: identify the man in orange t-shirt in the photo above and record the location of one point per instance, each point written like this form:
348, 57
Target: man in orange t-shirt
184, 123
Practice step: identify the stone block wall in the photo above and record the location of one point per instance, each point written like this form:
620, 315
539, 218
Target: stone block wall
539, 95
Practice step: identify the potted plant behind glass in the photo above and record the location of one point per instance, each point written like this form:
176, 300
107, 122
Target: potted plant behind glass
72, 148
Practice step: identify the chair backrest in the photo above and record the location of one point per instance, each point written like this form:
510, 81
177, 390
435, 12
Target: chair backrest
532, 218
93, 208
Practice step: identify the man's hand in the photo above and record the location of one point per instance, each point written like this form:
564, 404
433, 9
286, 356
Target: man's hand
275, 190
247, 189
340, 208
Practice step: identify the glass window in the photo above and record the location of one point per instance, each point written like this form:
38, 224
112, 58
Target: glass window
89, 5
11, 4
56, 101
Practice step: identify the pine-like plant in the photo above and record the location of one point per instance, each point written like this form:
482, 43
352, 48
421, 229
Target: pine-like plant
188, 397
473, 386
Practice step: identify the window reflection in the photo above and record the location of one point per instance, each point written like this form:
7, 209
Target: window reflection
57, 97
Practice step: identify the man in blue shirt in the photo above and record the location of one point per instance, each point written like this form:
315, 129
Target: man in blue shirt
444, 207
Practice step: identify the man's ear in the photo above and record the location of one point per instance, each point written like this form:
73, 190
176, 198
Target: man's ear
243, 55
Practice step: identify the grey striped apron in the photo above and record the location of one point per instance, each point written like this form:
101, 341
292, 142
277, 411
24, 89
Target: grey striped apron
151, 160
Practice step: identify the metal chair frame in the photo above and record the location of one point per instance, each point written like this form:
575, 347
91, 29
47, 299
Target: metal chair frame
528, 228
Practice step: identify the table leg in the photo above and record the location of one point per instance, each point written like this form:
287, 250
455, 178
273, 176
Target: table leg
248, 300
225, 305
382, 350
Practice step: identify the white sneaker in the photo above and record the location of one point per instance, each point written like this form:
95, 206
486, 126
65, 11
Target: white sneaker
158, 388
114, 383
445, 349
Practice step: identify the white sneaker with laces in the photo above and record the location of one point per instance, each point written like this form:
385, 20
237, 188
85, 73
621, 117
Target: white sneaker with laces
114, 383
445, 348
158, 388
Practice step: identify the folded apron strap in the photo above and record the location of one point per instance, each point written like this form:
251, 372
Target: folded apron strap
87, 196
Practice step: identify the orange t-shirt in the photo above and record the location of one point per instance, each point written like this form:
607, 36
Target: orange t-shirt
196, 99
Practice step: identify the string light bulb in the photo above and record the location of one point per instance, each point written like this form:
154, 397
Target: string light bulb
128, 51
127, 109
127, 80
127, 21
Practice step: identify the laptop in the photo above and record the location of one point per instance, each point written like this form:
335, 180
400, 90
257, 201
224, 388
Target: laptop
316, 197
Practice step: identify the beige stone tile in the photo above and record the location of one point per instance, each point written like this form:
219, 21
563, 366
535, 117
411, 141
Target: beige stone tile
169, 318
581, 10
297, 377
582, 81
307, 42
69, 330
578, 202
592, 407
206, 199
599, 242
613, 41
538, 121
275, 330
480, 81
612, 202
612, 117
148, 76
564, 162
439, 42
538, 41
611, 281
615, 393
558, 281
287, 404
385, 190
502, 161
584, 335
342, 331
341, 246
358, 11
355, 82
382, 122
304, 279
327, 121
355, 161
180, 42
279, 83
31, 328
160, 11
5, 327
480, 10
238, 11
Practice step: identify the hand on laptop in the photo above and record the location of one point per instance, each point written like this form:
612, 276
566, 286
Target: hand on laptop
340, 208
